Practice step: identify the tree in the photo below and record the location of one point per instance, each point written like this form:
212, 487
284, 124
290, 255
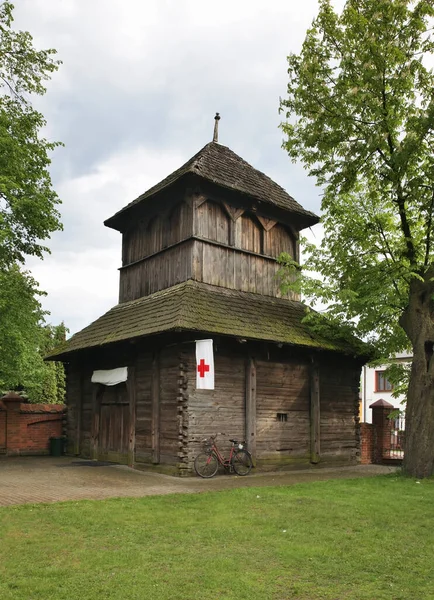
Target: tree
25, 339
360, 116
28, 202
28, 214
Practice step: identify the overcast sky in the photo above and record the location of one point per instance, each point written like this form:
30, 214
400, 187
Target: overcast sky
135, 98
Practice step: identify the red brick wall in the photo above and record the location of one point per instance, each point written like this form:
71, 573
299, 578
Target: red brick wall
2, 429
27, 428
367, 448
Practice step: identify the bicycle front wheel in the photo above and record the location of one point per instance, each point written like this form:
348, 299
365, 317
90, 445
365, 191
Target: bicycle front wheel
206, 465
242, 462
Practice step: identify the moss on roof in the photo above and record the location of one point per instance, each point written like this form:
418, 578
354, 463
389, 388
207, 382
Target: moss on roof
220, 165
199, 307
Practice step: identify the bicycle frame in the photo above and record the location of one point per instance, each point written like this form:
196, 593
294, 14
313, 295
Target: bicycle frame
207, 462
226, 463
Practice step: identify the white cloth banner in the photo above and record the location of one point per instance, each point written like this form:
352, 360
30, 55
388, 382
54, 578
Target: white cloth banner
110, 376
204, 365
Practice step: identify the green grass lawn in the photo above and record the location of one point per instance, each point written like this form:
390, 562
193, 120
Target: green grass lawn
359, 539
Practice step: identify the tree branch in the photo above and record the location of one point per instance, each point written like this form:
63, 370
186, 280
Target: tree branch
428, 231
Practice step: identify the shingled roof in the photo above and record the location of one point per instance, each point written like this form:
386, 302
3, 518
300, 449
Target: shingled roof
221, 166
199, 307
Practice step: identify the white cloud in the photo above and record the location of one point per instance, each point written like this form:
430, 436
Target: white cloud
135, 98
81, 273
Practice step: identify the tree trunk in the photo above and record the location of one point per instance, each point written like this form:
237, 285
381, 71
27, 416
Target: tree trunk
417, 322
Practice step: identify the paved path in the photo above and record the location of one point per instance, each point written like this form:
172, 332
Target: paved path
46, 479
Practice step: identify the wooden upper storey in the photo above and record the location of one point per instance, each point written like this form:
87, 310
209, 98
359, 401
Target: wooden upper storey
209, 219
195, 227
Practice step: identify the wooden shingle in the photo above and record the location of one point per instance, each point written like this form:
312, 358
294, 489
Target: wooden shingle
205, 309
221, 166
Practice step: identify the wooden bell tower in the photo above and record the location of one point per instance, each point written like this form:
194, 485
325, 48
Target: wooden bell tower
216, 220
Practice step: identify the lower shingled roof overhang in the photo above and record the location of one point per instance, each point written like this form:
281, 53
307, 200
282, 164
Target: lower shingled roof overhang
202, 308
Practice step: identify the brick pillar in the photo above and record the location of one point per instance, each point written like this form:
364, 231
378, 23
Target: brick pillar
2, 428
382, 429
367, 446
12, 403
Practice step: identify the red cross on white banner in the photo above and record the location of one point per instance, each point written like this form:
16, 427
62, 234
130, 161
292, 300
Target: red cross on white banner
204, 365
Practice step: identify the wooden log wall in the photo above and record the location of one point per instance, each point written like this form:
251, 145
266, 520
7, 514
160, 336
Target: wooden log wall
339, 401
73, 395
169, 388
87, 409
304, 411
157, 400
183, 416
282, 411
273, 398
221, 410
143, 373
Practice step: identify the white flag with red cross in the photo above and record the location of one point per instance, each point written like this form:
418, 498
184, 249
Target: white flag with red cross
204, 365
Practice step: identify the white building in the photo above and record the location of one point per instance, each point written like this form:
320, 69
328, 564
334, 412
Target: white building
375, 386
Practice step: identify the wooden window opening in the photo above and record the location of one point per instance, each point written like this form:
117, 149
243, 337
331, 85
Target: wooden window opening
382, 384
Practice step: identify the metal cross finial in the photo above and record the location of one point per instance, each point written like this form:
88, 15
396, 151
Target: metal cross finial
216, 128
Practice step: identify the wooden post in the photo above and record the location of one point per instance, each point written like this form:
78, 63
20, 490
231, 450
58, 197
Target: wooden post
251, 407
95, 423
155, 391
77, 441
131, 387
315, 414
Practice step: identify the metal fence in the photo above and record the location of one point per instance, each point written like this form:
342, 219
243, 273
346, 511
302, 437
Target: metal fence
395, 448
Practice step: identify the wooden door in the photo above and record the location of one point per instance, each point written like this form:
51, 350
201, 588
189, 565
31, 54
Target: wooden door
282, 411
114, 424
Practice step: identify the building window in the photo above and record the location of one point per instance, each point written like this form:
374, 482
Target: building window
382, 384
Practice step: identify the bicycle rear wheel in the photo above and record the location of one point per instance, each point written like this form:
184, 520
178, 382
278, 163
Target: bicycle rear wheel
242, 462
206, 465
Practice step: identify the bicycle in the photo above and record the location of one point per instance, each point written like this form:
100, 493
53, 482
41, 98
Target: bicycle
206, 463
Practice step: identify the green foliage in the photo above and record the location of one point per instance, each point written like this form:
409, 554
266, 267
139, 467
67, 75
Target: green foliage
28, 215
20, 317
360, 115
28, 211
25, 339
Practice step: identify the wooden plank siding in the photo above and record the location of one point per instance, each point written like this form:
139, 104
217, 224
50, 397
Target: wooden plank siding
212, 222
278, 240
339, 393
251, 406
235, 269
171, 248
160, 231
282, 388
155, 273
